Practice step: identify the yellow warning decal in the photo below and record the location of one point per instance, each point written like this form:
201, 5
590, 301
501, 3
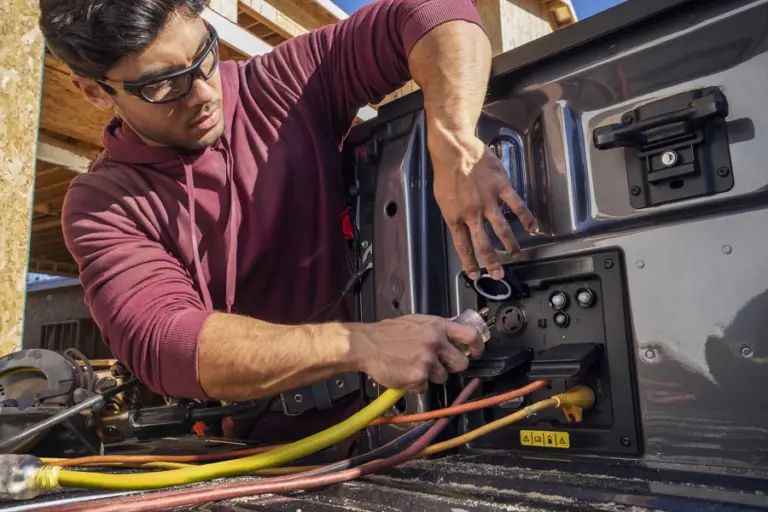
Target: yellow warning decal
545, 438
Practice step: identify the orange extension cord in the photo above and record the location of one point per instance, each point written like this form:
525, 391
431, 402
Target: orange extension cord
408, 418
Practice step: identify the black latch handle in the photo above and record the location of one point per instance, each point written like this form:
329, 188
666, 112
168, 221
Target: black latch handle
634, 132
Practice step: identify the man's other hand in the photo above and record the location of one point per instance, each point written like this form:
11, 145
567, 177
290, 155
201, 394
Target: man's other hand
469, 182
410, 351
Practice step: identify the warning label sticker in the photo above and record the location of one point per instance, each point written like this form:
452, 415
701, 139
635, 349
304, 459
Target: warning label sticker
545, 438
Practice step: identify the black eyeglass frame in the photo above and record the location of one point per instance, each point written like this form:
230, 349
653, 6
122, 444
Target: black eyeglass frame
195, 71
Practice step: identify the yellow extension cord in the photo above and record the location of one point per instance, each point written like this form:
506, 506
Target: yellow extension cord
51, 477
577, 398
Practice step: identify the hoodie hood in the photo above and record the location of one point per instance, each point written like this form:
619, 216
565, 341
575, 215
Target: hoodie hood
123, 145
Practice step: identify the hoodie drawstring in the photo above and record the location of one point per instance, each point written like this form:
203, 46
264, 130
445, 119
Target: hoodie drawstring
231, 242
193, 236
230, 237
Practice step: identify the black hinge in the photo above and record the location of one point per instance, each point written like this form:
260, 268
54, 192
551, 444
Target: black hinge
677, 148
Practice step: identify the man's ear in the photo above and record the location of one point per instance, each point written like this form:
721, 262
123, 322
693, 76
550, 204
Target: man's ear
93, 92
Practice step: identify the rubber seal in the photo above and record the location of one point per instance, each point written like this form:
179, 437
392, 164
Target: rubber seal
502, 296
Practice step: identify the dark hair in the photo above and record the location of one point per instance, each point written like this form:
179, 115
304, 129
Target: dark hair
90, 36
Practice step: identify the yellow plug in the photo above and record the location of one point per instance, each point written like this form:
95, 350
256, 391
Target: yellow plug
574, 401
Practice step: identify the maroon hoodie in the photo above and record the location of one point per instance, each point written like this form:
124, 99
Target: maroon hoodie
265, 237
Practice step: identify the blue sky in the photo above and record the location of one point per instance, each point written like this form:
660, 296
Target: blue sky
584, 8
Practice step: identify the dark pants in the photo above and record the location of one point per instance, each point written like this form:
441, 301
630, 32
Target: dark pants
276, 428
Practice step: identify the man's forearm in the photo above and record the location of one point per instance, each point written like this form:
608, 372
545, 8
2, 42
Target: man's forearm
241, 358
451, 64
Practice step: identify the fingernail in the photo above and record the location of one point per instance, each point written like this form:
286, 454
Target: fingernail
474, 276
497, 274
534, 227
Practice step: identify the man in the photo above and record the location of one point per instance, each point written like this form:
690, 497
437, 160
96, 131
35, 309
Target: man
208, 232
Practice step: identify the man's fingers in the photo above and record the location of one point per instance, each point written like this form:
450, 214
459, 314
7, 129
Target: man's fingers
438, 374
484, 249
503, 230
463, 244
465, 336
513, 200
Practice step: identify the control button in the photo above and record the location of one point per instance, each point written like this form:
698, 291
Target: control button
585, 297
558, 301
561, 319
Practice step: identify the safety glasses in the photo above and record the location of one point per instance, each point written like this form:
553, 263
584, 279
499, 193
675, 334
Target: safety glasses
173, 86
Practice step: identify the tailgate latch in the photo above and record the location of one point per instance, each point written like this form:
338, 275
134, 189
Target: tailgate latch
676, 148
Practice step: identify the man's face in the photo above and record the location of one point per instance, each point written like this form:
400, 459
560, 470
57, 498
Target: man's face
192, 122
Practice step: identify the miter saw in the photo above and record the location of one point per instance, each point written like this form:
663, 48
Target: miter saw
58, 405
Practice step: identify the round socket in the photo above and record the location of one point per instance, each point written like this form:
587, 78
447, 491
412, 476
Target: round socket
510, 320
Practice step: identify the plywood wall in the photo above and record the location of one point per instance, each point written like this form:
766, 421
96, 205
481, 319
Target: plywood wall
21, 64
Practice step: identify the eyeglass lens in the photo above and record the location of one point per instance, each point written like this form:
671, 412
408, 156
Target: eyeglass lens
179, 86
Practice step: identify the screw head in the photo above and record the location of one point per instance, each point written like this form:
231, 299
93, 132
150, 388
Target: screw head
640, 264
627, 118
727, 249
608, 263
747, 352
339, 383
723, 172
635, 191
650, 354
626, 442
298, 398
364, 244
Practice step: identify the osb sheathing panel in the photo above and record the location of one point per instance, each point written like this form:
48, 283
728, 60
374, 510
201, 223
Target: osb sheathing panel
21, 52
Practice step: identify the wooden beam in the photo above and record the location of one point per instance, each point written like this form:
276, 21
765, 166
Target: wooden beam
47, 224
267, 15
236, 36
227, 8
65, 110
54, 268
62, 154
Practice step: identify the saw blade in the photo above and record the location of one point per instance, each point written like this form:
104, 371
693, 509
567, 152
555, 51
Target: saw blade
21, 384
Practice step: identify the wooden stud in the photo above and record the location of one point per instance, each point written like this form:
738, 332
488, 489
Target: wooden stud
227, 8
65, 110
267, 15
62, 154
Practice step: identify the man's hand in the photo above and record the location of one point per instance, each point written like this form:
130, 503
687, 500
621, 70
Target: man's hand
407, 352
469, 182
452, 64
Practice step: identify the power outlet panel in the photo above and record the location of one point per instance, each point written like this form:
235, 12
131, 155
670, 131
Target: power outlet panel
565, 313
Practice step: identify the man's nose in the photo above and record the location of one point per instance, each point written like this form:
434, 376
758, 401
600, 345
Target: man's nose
201, 93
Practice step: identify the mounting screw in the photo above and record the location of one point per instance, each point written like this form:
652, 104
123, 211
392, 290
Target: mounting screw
626, 442
650, 354
640, 264
635, 191
727, 249
723, 172
339, 383
298, 398
669, 158
608, 263
747, 352
627, 119
353, 191
364, 244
